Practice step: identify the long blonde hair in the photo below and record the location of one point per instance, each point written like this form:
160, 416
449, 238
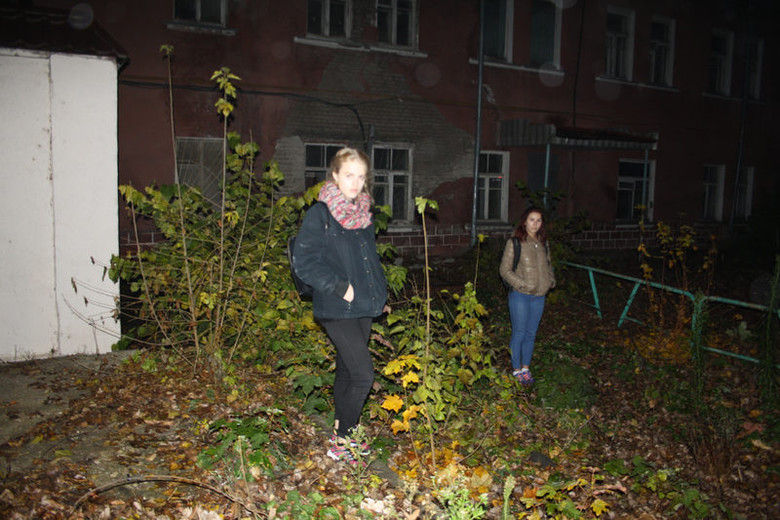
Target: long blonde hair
352, 154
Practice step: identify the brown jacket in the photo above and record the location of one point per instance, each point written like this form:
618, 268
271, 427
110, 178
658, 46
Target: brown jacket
534, 274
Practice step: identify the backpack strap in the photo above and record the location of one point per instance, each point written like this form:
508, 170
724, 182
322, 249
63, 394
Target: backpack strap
516, 251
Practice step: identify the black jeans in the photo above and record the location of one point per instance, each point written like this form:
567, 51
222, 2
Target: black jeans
354, 369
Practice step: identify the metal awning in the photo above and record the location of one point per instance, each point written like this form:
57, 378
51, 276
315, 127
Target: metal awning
522, 132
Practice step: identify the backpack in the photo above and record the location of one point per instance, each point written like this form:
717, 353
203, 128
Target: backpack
515, 259
305, 291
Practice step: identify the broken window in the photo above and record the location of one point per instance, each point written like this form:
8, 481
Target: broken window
201, 11
199, 161
392, 167
619, 43
318, 157
491, 186
328, 18
396, 22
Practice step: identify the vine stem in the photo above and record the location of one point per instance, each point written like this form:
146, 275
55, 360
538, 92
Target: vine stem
245, 314
182, 227
241, 235
141, 269
159, 478
428, 339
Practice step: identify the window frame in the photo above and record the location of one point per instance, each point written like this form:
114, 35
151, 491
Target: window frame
628, 51
755, 64
325, 21
324, 168
391, 175
504, 176
650, 191
556, 63
217, 174
413, 24
743, 194
223, 11
508, 33
713, 198
724, 81
668, 72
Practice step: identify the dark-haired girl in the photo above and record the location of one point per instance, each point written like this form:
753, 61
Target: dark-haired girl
530, 281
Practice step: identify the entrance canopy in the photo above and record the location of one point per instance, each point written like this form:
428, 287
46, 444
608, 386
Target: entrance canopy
521, 132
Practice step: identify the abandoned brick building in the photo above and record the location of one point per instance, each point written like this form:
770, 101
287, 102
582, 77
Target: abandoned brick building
622, 106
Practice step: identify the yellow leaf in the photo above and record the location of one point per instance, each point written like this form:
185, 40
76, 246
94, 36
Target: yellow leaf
393, 402
411, 412
398, 364
599, 506
480, 480
409, 377
398, 426
759, 444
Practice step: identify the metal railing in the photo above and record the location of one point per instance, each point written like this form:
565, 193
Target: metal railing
699, 302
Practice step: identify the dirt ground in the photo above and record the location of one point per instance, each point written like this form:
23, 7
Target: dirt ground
36, 390
33, 392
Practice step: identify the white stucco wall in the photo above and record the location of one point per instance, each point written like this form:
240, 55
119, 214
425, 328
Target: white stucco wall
58, 203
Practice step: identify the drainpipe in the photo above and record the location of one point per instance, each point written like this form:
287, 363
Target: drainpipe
742, 122
644, 186
546, 173
478, 131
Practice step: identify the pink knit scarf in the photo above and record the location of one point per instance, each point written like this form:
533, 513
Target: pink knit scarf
351, 215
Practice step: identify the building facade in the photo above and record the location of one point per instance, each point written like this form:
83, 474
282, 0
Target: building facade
625, 107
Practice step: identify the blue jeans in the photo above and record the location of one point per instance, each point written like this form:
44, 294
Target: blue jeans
525, 312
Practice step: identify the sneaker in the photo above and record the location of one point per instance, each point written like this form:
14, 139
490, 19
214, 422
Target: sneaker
361, 448
346, 450
525, 377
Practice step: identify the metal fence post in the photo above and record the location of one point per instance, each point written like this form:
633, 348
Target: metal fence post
697, 343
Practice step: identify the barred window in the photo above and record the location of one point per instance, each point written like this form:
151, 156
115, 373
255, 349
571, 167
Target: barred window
199, 161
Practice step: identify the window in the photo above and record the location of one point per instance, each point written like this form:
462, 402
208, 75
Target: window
328, 18
201, 11
661, 51
721, 51
318, 157
199, 161
392, 179
713, 192
620, 43
498, 29
631, 191
395, 20
743, 197
545, 34
491, 186
754, 54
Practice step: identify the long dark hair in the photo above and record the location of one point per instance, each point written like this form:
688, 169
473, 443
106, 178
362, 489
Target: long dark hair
520, 231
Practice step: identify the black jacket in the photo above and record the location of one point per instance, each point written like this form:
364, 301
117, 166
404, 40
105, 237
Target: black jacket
329, 258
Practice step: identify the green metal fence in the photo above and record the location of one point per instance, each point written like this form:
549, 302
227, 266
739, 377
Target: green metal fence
699, 302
